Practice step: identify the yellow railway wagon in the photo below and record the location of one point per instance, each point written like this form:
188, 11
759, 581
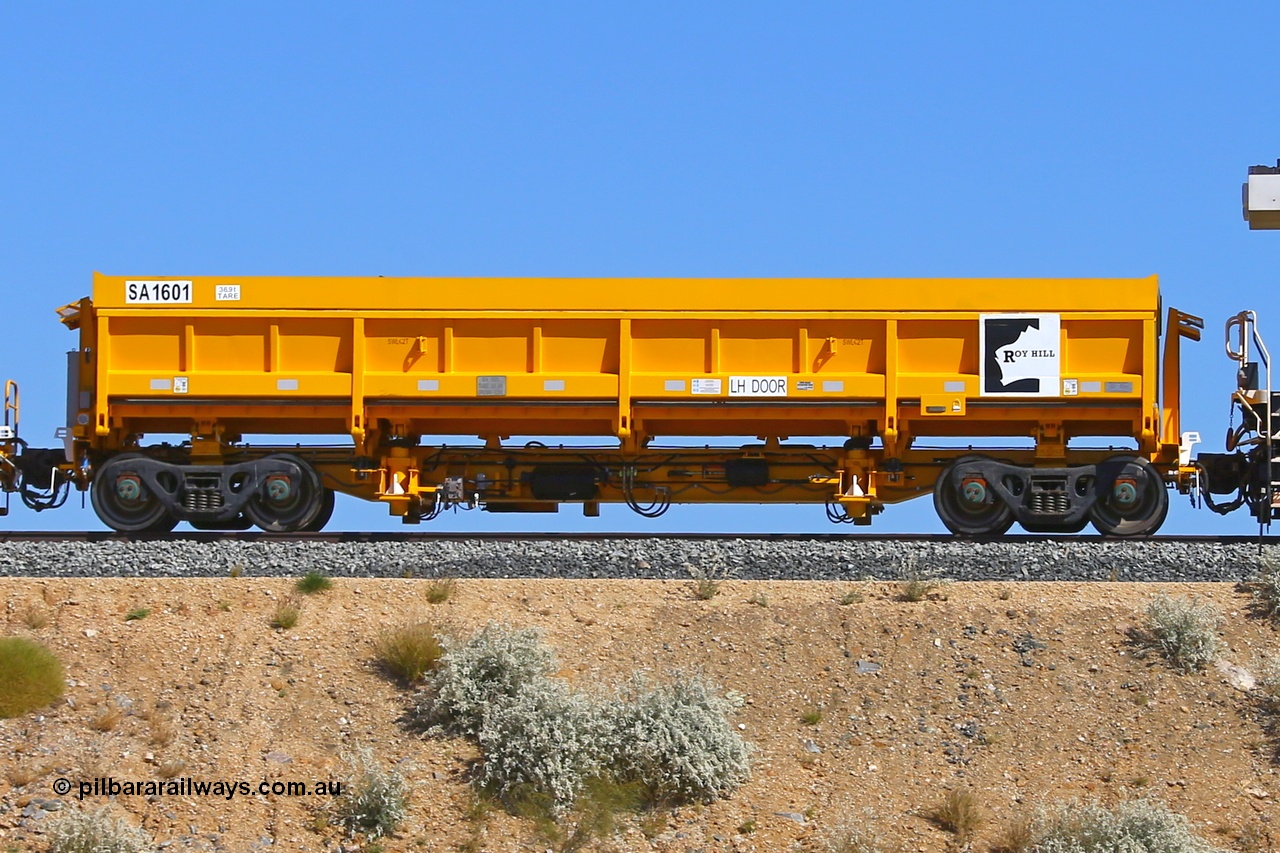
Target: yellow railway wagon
838, 385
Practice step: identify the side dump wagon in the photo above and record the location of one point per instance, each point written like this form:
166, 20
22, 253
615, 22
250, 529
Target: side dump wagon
1048, 402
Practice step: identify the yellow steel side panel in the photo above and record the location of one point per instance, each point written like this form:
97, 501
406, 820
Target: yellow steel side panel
491, 346
315, 344
845, 346
654, 294
416, 353
1112, 347
231, 344
579, 346
938, 346
671, 346
145, 343
757, 346
412, 345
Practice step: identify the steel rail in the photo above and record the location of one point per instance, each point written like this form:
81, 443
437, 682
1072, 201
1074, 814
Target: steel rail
411, 537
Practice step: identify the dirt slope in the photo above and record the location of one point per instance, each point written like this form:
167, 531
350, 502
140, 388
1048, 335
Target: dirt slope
1025, 693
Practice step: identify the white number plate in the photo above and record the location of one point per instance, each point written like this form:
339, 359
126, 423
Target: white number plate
157, 292
757, 386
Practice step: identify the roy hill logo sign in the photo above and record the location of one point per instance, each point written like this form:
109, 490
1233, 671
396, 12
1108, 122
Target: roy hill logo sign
1020, 355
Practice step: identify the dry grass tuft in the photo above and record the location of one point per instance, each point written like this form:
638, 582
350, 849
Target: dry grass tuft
960, 814
163, 731
286, 615
170, 768
107, 718
441, 590
408, 652
20, 775
313, 582
1019, 837
36, 618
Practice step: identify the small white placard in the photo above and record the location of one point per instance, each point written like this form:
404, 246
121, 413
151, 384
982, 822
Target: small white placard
553, 385
1070, 387
705, 386
161, 385
227, 293
428, 384
757, 386
180, 384
286, 385
833, 386
673, 385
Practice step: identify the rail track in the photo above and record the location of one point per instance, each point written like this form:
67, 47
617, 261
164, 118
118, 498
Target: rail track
422, 537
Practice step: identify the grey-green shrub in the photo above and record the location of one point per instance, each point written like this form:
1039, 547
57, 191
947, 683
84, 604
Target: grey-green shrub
1264, 586
1138, 826
546, 736
1268, 676
372, 799
677, 740
472, 677
853, 836
79, 831
1184, 631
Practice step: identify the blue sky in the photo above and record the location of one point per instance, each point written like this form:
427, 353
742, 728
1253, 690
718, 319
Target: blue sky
663, 139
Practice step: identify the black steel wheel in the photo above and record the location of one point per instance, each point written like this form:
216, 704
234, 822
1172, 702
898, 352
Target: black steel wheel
125, 502
967, 504
1132, 499
326, 512
288, 500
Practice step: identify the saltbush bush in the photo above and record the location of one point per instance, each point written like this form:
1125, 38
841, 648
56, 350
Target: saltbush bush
1184, 631
676, 739
1138, 826
474, 676
852, 836
79, 831
372, 799
547, 737
542, 742
30, 676
1264, 586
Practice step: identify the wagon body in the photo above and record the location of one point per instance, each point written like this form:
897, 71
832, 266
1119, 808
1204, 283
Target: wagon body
862, 372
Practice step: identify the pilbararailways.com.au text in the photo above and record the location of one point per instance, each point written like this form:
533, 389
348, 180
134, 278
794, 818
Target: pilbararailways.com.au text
109, 786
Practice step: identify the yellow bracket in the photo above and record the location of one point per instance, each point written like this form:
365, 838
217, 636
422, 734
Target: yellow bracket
11, 405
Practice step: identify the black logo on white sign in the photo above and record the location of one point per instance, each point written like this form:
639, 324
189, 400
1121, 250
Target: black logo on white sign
1020, 355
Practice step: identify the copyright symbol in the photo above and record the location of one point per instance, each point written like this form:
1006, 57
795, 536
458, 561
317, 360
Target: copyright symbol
61, 786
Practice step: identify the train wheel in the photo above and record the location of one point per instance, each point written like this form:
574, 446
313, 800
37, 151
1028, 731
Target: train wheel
326, 512
1135, 503
124, 502
967, 505
289, 501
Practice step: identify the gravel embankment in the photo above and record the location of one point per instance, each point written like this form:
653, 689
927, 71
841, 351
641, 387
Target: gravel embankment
650, 558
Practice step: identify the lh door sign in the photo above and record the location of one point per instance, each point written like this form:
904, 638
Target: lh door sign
1021, 355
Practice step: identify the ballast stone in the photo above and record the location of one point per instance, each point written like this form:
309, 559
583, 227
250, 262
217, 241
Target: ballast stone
664, 559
